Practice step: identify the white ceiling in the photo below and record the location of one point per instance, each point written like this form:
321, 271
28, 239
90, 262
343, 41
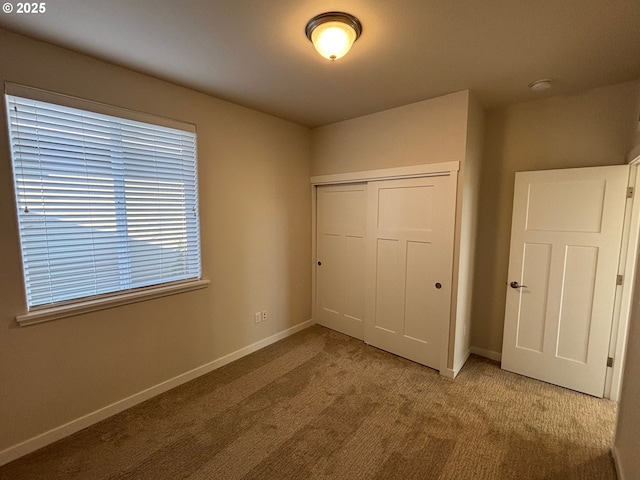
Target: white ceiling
255, 53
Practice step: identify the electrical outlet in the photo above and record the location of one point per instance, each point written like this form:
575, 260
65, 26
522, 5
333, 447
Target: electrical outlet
264, 316
257, 317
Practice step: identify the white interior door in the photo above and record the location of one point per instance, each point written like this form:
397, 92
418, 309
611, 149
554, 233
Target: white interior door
409, 266
565, 245
341, 227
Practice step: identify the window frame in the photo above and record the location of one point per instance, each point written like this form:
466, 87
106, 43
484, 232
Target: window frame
46, 312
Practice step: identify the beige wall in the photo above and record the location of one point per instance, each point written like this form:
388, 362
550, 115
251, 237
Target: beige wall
589, 129
468, 220
431, 131
255, 217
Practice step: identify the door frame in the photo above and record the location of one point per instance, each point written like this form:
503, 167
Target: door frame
396, 173
624, 296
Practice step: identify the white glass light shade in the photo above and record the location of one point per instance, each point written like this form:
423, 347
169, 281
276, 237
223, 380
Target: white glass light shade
333, 33
333, 40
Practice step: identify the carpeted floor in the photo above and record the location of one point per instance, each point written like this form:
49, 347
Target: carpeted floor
322, 405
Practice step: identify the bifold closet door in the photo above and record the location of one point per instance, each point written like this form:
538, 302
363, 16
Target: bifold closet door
409, 260
341, 226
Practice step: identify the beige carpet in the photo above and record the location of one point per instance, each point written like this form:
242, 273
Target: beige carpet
323, 405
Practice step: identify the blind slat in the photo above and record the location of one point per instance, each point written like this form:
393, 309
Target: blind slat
106, 204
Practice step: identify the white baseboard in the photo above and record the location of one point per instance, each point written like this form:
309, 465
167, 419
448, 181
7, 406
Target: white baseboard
619, 472
16, 451
490, 354
453, 372
448, 372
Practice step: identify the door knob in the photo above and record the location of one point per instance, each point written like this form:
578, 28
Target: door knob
517, 285
319, 263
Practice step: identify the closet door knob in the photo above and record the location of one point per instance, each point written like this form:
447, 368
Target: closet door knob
517, 285
319, 263
438, 285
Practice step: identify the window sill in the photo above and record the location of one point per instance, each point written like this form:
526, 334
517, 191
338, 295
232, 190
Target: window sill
55, 313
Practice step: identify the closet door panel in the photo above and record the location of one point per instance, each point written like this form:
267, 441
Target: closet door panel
341, 229
354, 278
409, 266
386, 289
418, 295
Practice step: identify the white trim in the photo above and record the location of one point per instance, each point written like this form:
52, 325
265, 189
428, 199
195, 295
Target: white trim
424, 170
628, 257
314, 249
490, 354
16, 451
78, 308
452, 373
451, 318
616, 462
448, 373
624, 296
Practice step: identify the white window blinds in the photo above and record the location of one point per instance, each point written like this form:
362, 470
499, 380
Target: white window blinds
105, 204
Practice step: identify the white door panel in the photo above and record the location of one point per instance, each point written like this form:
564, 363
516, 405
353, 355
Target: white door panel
533, 303
409, 251
565, 246
341, 228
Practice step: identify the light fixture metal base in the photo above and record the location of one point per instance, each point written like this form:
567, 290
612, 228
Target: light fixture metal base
346, 18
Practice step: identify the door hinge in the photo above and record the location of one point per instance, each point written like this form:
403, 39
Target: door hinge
630, 192
610, 362
619, 280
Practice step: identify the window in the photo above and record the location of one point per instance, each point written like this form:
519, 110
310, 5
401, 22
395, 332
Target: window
106, 203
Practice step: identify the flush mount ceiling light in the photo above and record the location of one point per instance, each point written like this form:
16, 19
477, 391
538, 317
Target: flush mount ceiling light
540, 85
333, 33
